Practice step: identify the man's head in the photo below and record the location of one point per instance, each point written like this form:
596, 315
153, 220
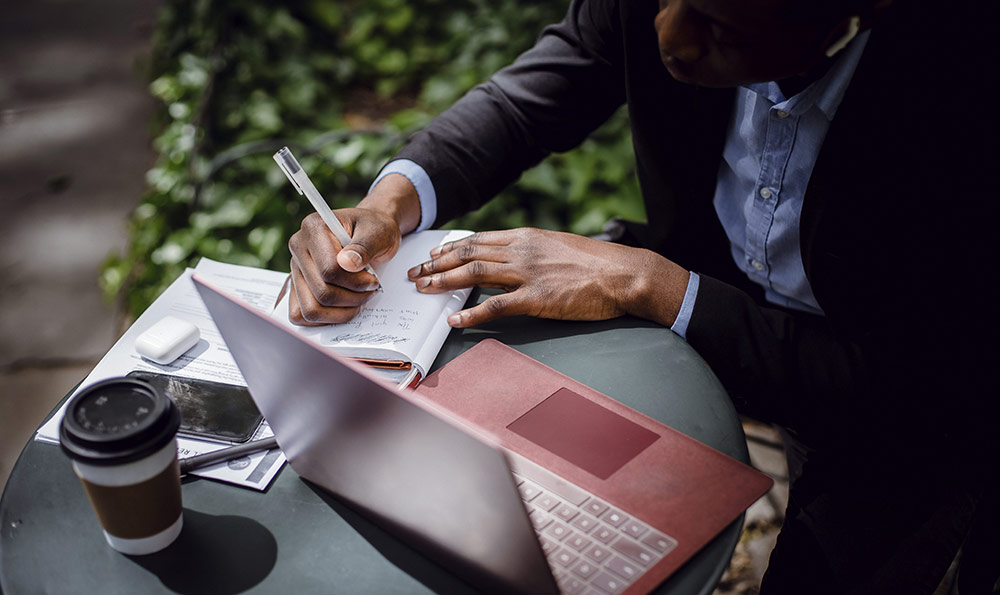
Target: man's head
724, 43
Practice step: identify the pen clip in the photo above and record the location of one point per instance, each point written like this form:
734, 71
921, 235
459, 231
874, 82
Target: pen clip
288, 164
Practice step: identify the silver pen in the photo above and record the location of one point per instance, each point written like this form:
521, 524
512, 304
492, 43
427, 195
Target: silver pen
189, 464
298, 177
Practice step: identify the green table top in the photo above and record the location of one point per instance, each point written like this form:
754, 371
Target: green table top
295, 538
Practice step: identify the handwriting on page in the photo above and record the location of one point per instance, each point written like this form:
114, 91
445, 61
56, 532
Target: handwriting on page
399, 323
376, 326
367, 338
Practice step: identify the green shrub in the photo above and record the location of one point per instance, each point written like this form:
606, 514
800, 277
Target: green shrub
342, 84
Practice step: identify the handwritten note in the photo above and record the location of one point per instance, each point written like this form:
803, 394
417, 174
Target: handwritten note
399, 323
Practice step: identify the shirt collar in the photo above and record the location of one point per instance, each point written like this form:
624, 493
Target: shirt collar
827, 92
836, 80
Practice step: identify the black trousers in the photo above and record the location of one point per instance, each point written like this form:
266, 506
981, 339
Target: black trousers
859, 522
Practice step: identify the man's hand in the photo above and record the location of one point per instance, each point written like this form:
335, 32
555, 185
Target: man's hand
554, 275
329, 283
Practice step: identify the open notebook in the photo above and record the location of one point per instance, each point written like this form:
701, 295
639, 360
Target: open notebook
398, 327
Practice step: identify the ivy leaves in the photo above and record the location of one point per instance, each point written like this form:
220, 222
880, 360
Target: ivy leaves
342, 83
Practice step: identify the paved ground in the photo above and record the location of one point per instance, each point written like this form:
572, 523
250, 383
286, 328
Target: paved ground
763, 519
74, 148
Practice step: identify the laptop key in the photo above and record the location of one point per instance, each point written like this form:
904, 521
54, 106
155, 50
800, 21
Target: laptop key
539, 520
623, 568
598, 553
608, 583
529, 491
547, 479
584, 522
585, 569
571, 585
548, 545
634, 528
557, 530
604, 534
565, 512
595, 506
564, 557
613, 517
577, 542
547, 502
634, 551
659, 542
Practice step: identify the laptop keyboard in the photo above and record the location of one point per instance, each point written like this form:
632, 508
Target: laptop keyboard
591, 546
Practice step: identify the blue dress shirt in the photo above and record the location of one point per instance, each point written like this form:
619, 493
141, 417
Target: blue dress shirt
770, 150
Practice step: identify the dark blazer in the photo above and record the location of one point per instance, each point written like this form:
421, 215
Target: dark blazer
895, 228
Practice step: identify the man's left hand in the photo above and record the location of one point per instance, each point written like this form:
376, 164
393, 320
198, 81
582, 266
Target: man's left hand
551, 274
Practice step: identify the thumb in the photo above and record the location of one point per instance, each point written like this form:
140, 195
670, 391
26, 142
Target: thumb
351, 258
370, 241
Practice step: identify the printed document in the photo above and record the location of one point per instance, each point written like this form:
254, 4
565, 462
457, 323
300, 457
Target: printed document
208, 360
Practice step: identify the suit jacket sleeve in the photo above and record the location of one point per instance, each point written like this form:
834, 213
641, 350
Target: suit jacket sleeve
548, 100
779, 366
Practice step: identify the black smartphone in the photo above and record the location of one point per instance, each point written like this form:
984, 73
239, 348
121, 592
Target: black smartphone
208, 409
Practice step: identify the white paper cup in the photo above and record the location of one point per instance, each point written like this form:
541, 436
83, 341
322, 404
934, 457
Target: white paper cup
121, 435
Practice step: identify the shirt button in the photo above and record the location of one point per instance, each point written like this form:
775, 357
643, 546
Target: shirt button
765, 193
781, 114
757, 265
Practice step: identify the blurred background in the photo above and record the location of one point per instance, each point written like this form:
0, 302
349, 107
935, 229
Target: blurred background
75, 118
136, 137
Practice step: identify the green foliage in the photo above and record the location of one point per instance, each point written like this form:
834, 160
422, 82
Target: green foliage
343, 84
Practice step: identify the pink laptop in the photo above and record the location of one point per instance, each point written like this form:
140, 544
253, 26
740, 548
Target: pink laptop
512, 475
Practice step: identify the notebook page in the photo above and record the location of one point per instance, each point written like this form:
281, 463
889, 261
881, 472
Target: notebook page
399, 322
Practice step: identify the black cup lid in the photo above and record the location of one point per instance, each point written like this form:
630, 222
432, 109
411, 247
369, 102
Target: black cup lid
117, 421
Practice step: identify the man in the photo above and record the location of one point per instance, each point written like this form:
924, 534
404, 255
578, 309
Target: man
816, 178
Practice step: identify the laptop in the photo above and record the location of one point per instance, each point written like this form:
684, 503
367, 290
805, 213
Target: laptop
478, 472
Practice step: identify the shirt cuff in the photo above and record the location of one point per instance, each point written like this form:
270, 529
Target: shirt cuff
421, 181
680, 325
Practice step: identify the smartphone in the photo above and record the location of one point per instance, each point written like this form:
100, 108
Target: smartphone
208, 409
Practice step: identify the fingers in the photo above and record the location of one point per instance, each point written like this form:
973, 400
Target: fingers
474, 274
295, 312
328, 304
465, 268
315, 253
329, 283
494, 307
374, 240
481, 259
487, 259
545, 274
484, 238
318, 241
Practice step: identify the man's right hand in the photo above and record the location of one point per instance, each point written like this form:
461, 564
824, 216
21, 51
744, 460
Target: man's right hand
329, 283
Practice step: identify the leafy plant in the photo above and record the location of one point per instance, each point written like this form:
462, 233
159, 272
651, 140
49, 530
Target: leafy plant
342, 84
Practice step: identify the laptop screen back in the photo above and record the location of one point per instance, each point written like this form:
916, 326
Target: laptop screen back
422, 477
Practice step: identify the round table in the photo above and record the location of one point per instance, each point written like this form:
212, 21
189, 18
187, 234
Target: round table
295, 538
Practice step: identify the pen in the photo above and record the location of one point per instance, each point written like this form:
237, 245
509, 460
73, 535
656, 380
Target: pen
225, 454
298, 177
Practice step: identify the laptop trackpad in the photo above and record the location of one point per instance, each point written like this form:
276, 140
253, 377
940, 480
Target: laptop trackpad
584, 433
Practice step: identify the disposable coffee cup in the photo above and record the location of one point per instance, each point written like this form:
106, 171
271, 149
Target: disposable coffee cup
122, 436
